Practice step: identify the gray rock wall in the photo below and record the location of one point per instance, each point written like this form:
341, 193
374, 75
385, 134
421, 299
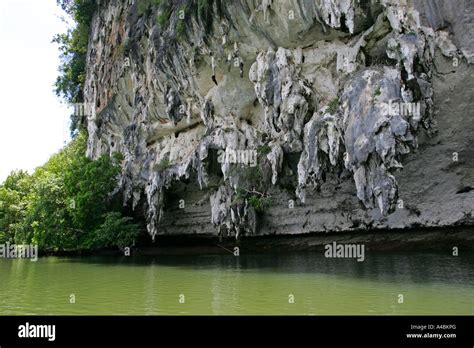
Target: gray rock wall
358, 114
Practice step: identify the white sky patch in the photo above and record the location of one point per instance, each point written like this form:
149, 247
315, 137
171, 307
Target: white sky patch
34, 124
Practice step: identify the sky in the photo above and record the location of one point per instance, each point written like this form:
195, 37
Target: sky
34, 124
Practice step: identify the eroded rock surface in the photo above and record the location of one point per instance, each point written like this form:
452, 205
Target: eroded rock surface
251, 117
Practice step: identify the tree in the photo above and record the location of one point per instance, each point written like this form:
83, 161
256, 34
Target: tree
13, 193
116, 230
73, 47
66, 204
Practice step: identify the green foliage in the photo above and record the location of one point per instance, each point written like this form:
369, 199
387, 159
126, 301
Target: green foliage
66, 204
47, 222
89, 183
252, 188
13, 192
17, 181
333, 105
69, 84
263, 150
377, 91
163, 17
181, 23
163, 7
73, 48
144, 5
205, 15
116, 230
260, 203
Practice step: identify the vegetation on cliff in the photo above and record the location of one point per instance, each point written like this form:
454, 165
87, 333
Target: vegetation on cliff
66, 204
70, 202
73, 47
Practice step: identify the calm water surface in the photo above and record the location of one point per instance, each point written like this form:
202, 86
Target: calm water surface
251, 284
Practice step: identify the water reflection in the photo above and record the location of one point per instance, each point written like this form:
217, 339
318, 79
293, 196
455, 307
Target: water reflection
413, 267
249, 284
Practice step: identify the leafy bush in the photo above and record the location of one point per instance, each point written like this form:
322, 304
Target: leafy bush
116, 230
12, 204
260, 204
66, 204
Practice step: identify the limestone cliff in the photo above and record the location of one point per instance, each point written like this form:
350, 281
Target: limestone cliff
260, 117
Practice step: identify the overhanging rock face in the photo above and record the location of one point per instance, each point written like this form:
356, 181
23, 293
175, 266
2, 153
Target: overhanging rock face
285, 117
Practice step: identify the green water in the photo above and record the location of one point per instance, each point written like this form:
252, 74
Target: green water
251, 284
